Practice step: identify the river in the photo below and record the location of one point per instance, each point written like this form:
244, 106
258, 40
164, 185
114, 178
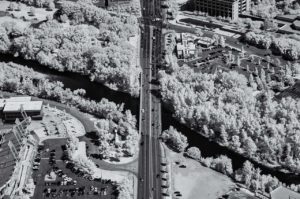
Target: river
96, 91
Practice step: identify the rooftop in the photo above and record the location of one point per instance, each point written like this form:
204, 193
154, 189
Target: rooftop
284, 193
1, 105
18, 99
296, 23
7, 161
27, 106
286, 17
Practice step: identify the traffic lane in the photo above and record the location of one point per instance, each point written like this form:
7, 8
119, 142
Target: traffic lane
144, 178
146, 156
147, 128
156, 171
150, 159
157, 175
148, 169
147, 87
141, 169
145, 164
145, 146
155, 116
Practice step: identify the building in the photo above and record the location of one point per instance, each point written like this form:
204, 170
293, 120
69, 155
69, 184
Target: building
190, 45
185, 46
11, 108
107, 3
296, 24
284, 193
244, 6
205, 42
223, 8
17, 150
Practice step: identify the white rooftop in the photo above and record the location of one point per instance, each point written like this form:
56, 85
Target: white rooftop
18, 99
27, 106
2, 104
180, 47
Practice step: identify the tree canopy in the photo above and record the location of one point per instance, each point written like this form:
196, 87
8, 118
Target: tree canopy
223, 107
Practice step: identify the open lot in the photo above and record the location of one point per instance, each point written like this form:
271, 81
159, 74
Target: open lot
105, 188
196, 181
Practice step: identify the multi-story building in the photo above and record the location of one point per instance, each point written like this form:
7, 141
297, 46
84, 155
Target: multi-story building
224, 8
18, 147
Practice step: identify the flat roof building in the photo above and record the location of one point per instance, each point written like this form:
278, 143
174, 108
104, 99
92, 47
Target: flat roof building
223, 8
18, 99
205, 41
27, 106
12, 108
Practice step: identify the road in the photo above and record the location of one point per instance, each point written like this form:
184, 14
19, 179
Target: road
150, 106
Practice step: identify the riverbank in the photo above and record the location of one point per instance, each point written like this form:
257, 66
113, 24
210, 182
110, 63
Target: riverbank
211, 148
208, 148
94, 90
112, 65
111, 171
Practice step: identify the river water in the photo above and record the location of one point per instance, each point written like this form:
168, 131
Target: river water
96, 91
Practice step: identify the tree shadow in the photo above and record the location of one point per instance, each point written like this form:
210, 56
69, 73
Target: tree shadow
94, 138
113, 159
156, 93
37, 24
188, 6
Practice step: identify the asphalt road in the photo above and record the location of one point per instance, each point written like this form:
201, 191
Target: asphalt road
150, 106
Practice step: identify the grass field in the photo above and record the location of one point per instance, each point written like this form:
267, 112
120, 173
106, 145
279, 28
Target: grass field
196, 181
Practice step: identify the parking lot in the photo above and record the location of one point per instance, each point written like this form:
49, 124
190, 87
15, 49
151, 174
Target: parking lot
68, 181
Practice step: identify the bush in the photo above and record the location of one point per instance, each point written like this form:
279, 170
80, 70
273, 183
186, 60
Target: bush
174, 139
222, 164
194, 152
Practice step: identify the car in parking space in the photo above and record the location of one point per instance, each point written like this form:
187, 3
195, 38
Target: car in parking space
179, 195
37, 159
